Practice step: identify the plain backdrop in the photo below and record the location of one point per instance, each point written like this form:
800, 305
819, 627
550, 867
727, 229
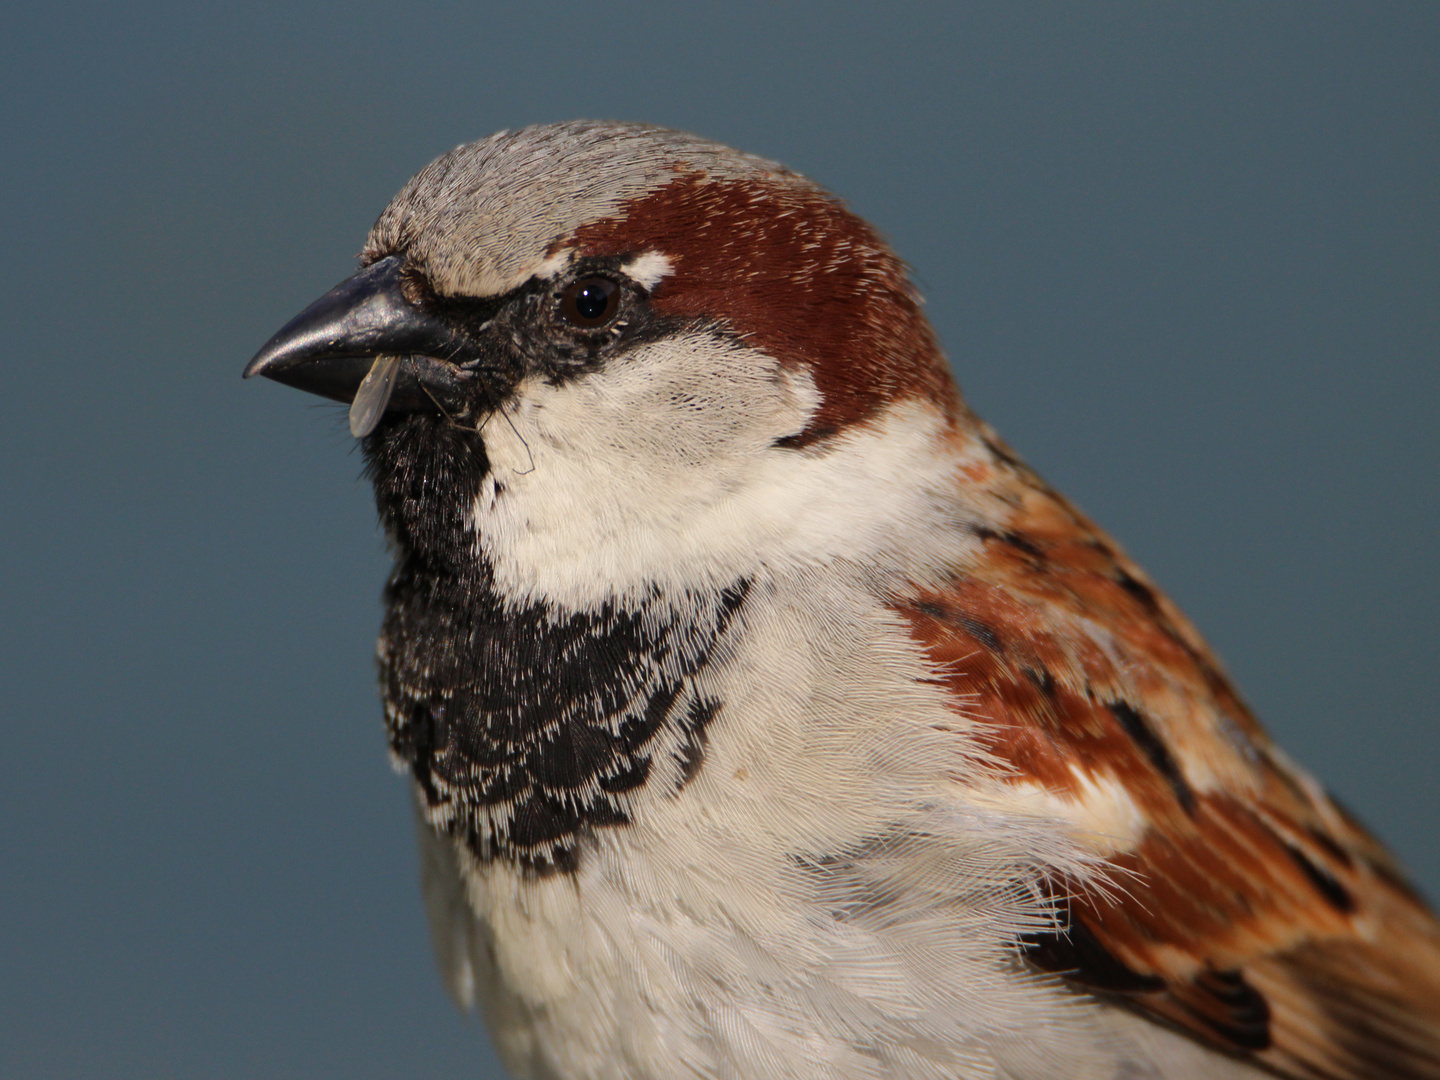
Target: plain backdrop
1185, 257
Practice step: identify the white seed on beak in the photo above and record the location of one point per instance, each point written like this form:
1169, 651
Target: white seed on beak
373, 395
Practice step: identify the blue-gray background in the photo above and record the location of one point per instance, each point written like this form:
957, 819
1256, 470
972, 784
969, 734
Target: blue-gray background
1187, 259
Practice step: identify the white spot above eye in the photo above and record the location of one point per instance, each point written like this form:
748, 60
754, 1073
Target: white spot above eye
553, 265
648, 268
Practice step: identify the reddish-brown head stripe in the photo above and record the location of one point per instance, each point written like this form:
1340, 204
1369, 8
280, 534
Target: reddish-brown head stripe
796, 274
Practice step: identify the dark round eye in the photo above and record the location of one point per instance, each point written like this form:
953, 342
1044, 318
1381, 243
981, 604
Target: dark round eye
590, 302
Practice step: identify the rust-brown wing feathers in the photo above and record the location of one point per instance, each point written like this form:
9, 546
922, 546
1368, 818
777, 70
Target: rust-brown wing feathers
1247, 909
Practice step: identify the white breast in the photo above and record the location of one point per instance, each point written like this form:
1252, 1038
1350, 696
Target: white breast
837, 891
822, 900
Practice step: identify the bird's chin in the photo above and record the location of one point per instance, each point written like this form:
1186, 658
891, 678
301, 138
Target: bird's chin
427, 469
415, 437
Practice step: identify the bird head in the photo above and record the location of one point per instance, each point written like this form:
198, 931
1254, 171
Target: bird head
607, 356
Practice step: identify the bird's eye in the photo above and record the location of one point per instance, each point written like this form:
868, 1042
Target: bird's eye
590, 302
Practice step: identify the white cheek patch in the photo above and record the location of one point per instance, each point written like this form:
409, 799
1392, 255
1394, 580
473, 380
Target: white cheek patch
648, 269
662, 471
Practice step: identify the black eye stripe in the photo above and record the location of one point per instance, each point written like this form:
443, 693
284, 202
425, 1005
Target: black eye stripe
473, 312
588, 302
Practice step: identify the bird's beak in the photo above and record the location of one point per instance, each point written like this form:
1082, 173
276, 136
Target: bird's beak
331, 346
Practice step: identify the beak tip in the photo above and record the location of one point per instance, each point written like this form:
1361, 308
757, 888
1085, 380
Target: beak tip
280, 352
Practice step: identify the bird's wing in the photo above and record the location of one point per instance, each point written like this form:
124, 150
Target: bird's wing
1244, 907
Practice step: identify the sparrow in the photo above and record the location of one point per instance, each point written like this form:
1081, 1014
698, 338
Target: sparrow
767, 716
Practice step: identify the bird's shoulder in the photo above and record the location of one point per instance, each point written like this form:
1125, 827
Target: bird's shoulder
1236, 901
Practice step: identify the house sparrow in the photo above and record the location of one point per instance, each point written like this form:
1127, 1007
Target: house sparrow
767, 716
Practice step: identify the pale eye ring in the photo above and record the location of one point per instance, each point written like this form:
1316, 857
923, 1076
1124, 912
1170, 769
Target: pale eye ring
590, 302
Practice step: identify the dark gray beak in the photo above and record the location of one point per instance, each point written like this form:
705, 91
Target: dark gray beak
330, 347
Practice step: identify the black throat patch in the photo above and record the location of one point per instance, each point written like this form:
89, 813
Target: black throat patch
525, 728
